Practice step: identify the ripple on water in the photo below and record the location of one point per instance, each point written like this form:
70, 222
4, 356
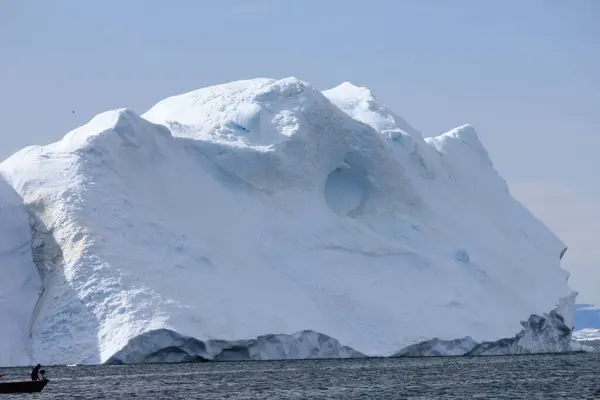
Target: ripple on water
521, 377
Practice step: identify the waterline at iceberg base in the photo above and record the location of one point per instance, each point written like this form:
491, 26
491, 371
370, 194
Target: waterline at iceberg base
261, 219
547, 334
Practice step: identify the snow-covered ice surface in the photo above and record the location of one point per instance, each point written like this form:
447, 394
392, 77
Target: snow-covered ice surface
266, 207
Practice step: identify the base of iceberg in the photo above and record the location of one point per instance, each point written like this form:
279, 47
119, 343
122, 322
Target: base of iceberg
160, 345
437, 347
167, 346
301, 345
540, 334
547, 334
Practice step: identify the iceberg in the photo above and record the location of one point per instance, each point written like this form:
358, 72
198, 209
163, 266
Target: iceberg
587, 339
264, 219
540, 334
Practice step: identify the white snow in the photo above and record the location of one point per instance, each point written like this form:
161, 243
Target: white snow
268, 207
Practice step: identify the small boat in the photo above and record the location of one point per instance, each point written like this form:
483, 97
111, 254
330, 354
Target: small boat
23, 386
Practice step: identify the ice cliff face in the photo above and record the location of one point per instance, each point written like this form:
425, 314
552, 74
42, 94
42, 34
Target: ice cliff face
19, 280
265, 219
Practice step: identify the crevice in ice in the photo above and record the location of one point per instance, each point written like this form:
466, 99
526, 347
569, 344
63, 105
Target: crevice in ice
234, 353
172, 354
562, 253
462, 255
347, 187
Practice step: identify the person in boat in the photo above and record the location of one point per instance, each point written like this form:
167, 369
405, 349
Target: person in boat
35, 373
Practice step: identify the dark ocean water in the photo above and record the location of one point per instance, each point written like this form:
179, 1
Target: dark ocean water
522, 377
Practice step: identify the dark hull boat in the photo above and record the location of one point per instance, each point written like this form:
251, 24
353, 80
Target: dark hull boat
22, 386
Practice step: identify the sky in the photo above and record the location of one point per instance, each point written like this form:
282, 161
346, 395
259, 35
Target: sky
525, 74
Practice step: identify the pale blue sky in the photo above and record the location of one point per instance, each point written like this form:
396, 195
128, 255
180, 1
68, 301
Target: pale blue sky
525, 73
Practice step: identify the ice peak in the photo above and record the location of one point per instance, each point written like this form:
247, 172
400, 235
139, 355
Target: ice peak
106, 121
286, 87
361, 104
258, 112
120, 124
352, 92
466, 133
464, 136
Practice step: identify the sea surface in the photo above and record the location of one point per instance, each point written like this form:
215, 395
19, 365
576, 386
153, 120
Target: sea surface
573, 376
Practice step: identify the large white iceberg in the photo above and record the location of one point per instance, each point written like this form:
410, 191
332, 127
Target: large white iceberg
265, 207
